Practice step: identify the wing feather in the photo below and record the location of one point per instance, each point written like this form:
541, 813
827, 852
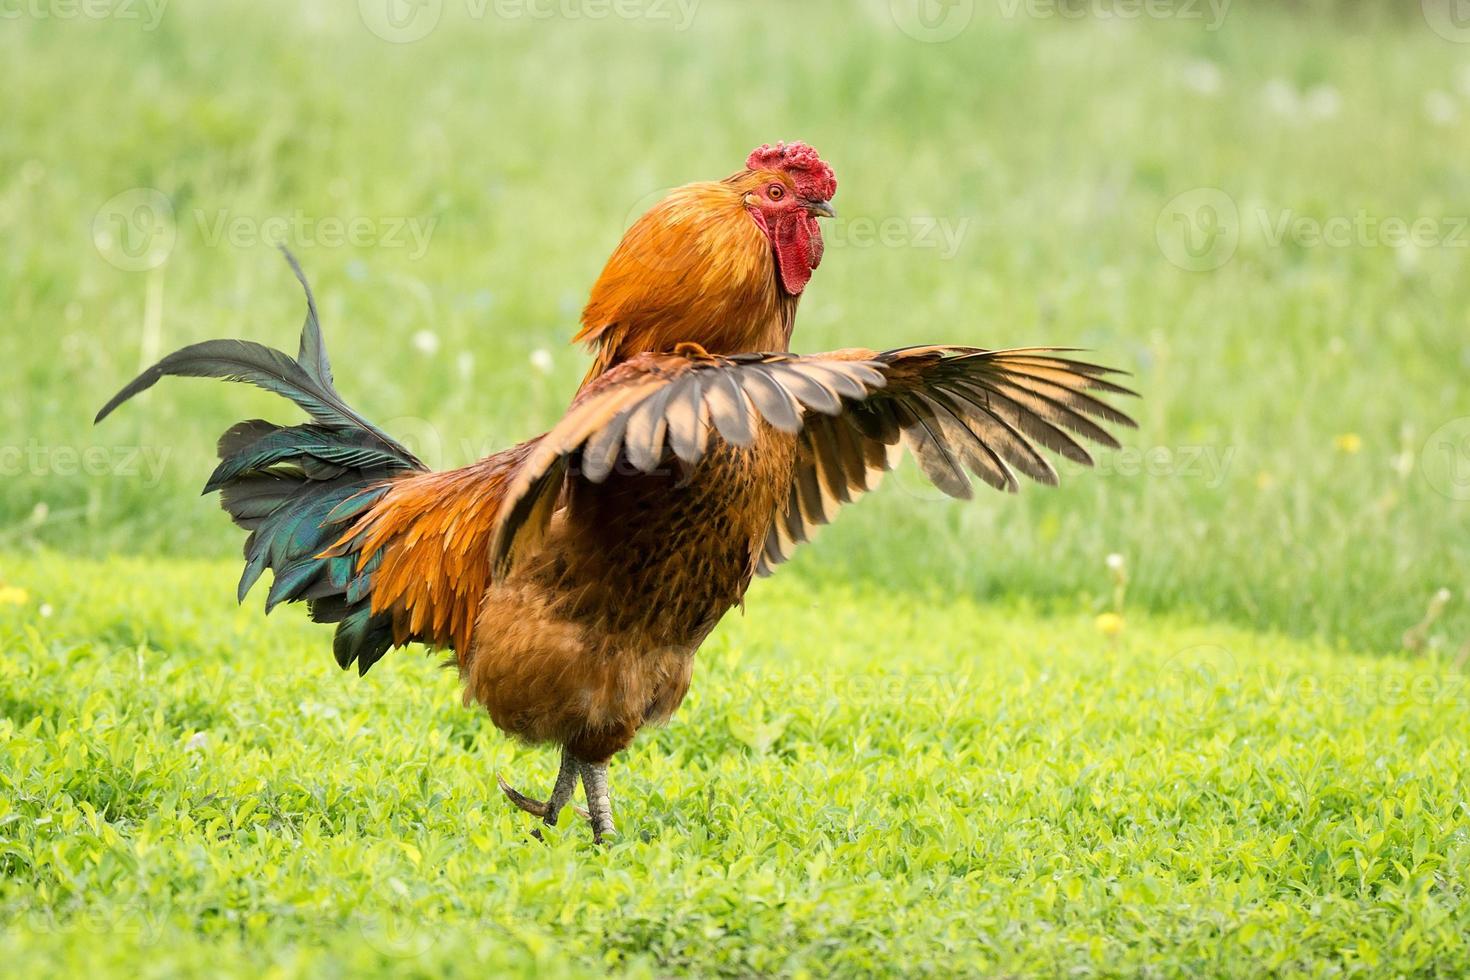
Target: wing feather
993, 431
959, 410
729, 409
771, 398
647, 426
808, 389
978, 457
688, 420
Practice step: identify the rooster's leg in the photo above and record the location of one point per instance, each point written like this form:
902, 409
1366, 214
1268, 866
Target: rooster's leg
561, 793
599, 799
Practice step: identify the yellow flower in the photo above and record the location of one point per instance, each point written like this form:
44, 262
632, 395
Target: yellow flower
1265, 480
1348, 442
10, 595
1110, 624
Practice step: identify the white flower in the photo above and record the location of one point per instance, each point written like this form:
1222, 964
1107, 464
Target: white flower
1406, 256
541, 360
1323, 102
314, 709
1440, 107
1281, 98
1115, 561
426, 341
1202, 77
197, 742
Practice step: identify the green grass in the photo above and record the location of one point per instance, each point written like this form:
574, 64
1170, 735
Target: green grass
917, 751
932, 787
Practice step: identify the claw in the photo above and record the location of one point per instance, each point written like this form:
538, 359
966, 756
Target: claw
534, 807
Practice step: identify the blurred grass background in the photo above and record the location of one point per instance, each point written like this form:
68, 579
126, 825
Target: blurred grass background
1297, 454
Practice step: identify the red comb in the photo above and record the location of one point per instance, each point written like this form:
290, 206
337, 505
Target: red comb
813, 178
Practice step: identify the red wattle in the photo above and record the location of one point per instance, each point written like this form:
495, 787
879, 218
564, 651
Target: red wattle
795, 255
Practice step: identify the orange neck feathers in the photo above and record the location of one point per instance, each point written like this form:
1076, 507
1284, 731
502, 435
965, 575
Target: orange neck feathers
696, 268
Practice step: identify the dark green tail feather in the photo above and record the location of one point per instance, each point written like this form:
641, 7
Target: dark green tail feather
295, 488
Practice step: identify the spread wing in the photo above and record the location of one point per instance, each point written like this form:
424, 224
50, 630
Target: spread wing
957, 409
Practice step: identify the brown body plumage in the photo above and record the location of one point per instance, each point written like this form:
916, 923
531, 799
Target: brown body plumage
575, 575
594, 635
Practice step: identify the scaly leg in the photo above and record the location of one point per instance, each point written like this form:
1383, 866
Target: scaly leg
561, 793
599, 799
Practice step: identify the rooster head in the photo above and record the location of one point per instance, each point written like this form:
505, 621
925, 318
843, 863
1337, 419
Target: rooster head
786, 188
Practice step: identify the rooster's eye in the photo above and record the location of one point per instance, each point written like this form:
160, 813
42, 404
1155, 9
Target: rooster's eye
775, 192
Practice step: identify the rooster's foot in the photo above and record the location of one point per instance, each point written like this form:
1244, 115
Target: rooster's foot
599, 799
561, 793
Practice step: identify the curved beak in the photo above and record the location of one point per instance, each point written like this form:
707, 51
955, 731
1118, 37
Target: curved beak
822, 209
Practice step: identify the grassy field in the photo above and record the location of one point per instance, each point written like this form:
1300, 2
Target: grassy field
918, 749
938, 788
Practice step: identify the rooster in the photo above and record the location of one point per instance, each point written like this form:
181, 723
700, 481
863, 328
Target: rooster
575, 575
